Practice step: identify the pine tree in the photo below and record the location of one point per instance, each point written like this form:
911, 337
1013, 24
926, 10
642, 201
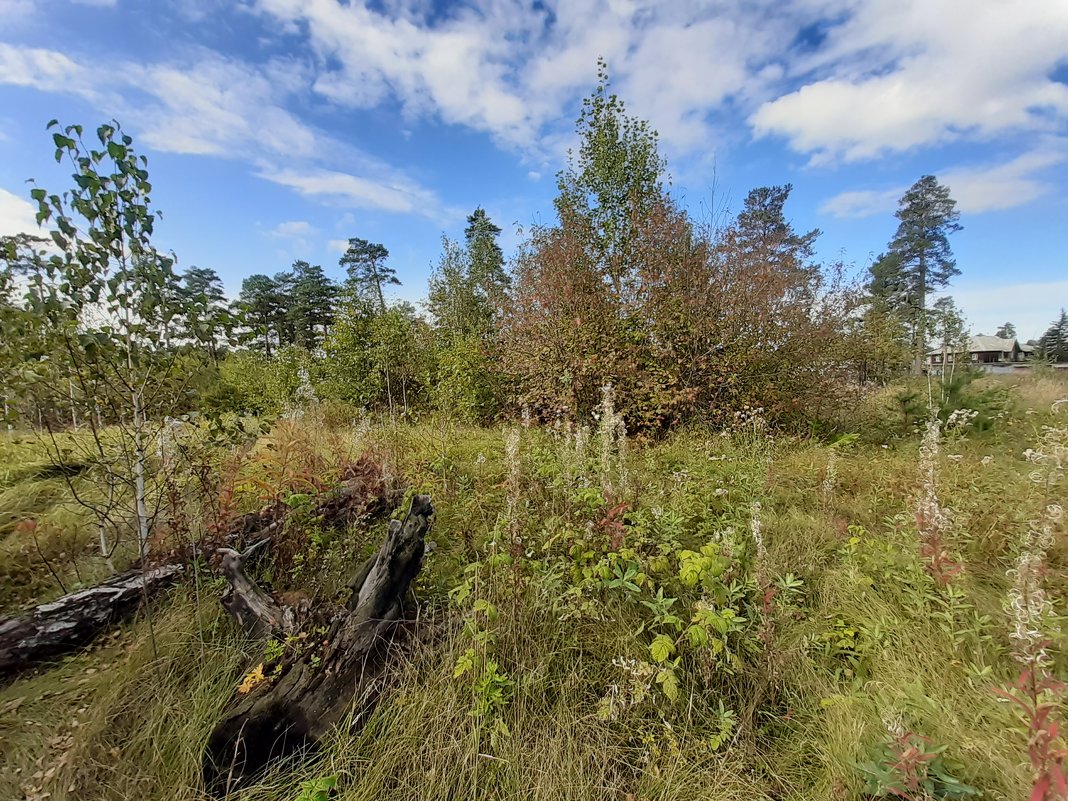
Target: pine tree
763, 232
1053, 345
314, 298
1007, 331
469, 283
365, 264
260, 306
919, 259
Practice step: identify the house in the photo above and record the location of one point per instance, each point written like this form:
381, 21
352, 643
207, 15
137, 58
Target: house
989, 353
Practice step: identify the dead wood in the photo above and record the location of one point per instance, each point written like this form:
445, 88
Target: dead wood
324, 684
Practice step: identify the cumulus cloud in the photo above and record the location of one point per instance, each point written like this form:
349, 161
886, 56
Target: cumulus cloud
898, 74
508, 68
17, 215
976, 188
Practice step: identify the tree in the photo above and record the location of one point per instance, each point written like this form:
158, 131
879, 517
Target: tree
110, 297
611, 185
919, 259
469, 284
1053, 345
467, 290
207, 318
260, 305
950, 331
312, 303
763, 233
365, 264
486, 259
1007, 331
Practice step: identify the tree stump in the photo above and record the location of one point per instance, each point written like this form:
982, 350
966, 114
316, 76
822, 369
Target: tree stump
317, 689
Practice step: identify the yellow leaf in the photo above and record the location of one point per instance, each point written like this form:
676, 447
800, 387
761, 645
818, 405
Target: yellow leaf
252, 679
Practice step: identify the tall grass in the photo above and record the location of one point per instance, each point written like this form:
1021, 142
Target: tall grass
863, 635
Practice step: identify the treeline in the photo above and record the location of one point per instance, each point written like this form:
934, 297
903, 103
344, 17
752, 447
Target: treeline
686, 321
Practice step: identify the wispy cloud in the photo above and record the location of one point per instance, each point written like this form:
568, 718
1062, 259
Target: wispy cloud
210, 105
397, 194
291, 229
976, 188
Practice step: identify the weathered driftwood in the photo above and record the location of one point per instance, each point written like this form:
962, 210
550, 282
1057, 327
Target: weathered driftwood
319, 687
75, 620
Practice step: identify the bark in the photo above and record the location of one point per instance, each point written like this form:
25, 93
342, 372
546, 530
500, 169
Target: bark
320, 687
75, 620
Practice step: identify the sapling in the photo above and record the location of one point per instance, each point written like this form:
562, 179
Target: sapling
111, 300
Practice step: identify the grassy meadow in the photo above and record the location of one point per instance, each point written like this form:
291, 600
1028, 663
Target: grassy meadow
721, 614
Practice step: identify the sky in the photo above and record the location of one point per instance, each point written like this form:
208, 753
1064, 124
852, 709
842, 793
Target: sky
276, 129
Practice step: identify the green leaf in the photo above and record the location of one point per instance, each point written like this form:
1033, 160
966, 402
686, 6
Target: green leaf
669, 682
662, 648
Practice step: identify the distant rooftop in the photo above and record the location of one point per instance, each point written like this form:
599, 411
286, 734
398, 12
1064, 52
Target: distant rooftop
983, 344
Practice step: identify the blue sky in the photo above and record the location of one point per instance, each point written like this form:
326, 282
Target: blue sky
276, 129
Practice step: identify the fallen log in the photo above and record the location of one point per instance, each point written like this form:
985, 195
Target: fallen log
74, 621
317, 688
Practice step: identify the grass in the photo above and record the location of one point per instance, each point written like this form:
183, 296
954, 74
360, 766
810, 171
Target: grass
865, 637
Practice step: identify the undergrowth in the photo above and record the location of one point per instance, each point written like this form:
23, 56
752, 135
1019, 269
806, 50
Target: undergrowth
722, 614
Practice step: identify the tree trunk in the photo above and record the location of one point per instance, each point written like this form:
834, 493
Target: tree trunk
75, 620
72, 622
319, 688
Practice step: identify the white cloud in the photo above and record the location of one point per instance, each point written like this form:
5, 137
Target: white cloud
979, 189
47, 70
898, 74
292, 229
1031, 307
338, 245
396, 195
862, 202
11, 10
17, 215
215, 106
976, 188
508, 68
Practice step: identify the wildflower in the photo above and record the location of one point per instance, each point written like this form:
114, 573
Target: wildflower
612, 431
1029, 608
932, 520
892, 721
757, 528
830, 478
